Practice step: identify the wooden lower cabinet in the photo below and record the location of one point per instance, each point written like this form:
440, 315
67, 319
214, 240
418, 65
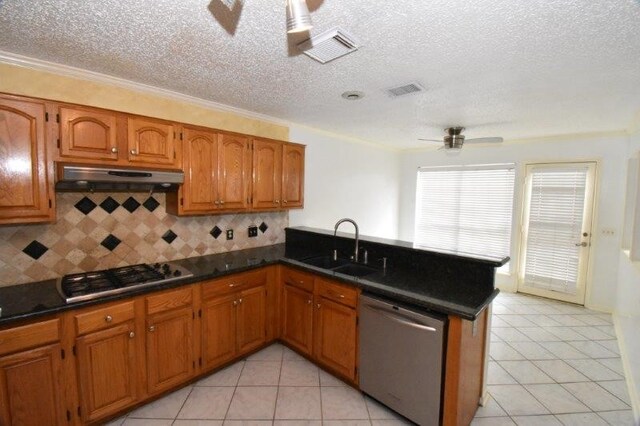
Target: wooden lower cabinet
297, 323
335, 337
106, 368
251, 319
169, 349
30, 388
218, 331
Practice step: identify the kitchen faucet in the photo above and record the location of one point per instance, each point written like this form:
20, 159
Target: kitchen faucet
338, 223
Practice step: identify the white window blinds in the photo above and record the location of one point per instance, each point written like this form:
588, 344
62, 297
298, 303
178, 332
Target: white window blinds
466, 209
554, 226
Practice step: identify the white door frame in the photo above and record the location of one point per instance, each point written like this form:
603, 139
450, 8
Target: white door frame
587, 227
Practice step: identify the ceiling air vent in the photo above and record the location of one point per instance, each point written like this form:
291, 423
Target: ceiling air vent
329, 45
405, 89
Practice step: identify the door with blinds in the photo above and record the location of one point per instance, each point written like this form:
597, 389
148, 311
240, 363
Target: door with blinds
557, 230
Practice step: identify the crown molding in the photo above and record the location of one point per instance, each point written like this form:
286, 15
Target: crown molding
82, 74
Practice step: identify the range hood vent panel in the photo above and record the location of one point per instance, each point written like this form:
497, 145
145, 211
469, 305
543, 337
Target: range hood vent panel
102, 179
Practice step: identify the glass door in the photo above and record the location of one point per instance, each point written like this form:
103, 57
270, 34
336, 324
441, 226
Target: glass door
557, 230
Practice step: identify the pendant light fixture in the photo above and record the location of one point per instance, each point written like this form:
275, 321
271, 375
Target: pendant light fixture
298, 17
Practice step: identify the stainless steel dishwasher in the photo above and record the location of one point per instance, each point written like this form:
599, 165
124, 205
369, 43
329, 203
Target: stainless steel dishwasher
401, 353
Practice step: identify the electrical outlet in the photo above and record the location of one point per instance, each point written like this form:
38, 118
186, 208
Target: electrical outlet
229, 234
253, 231
608, 232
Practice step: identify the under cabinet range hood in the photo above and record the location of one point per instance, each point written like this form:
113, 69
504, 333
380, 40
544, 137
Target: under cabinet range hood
109, 179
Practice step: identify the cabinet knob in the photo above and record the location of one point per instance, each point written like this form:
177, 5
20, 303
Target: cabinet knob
284, 201
309, 302
216, 202
318, 306
232, 285
114, 150
132, 335
152, 328
240, 300
108, 318
235, 303
133, 152
277, 201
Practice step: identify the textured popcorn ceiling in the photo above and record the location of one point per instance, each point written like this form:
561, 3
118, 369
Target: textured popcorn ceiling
500, 67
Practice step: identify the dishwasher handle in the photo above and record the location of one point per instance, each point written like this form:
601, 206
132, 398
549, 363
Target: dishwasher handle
400, 319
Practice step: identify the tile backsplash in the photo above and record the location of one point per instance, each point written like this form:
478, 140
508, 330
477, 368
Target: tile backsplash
99, 231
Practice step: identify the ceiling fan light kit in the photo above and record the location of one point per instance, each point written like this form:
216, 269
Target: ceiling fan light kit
454, 139
298, 17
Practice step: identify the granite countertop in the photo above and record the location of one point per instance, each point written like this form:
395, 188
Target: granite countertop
28, 301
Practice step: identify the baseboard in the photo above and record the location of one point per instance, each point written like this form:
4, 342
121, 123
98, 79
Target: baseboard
626, 349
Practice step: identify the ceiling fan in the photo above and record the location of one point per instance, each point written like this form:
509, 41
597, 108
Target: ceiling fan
454, 139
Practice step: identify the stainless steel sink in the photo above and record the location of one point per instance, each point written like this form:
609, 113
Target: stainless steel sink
355, 270
325, 262
342, 266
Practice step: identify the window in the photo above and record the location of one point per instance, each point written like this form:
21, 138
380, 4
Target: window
465, 209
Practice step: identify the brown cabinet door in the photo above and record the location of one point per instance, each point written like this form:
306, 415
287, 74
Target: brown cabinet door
252, 310
267, 174
24, 185
297, 318
335, 337
88, 133
200, 169
151, 142
106, 365
234, 171
292, 176
218, 331
30, 388
169, 349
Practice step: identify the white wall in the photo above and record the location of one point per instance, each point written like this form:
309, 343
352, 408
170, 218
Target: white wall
346, 178
610, 151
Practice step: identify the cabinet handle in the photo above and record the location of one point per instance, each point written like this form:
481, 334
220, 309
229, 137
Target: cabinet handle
114, 150
133, 152
152, 328
132, 335
341, 296
108, 318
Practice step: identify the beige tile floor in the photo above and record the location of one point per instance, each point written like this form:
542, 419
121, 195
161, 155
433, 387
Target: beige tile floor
550, 364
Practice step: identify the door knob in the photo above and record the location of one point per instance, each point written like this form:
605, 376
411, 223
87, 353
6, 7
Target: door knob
582, 244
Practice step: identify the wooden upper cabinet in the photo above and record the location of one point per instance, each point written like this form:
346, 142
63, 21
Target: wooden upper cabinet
267, 174
292, 175
25, 191
198, 193
151, 142
88, 133
234, 171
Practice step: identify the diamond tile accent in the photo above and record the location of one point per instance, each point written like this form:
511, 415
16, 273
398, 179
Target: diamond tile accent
35, 249
74, 241
109, 205
169, 236
85, 205
111, 242
131, 204
215, 232
151, 204
263, 227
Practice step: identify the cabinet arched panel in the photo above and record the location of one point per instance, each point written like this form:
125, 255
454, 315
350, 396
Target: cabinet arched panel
88, 134
151, 142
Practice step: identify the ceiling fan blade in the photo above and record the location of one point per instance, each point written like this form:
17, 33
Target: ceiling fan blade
484, 140
430, 140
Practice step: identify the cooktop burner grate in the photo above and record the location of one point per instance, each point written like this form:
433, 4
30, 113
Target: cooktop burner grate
92, 285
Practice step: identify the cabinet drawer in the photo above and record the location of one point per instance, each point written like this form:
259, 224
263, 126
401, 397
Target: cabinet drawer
29, 336
233, 283
298, 279
169, 300
99, 319
337, 292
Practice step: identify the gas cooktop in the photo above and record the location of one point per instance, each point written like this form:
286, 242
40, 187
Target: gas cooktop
93, 285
